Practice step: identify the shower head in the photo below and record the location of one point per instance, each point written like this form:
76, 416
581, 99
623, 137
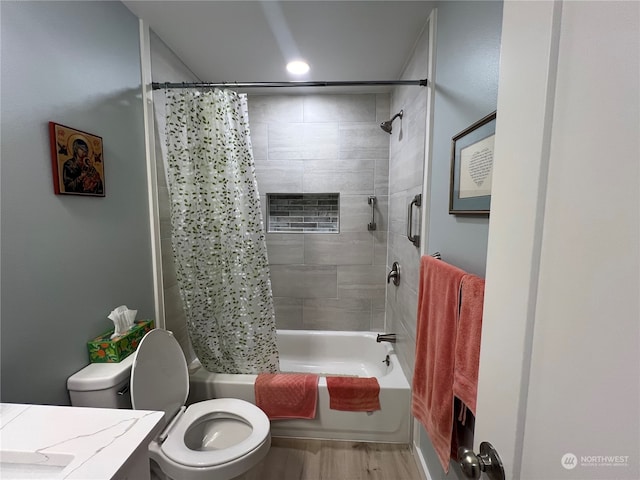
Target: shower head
386, 126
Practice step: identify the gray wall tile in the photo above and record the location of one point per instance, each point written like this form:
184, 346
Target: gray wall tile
355, 213
355, 248
340, 108
309, 148
362, 140
174, 306
164, 207
381, 177
319, 176
286, 141
259, 140
401, 250
285, 248
168, 265
304, 281
378, 313
355, 176
279, 176
398, 204
293, 141
361, 281
377, 320
288, 313
380, 247
275, 108
383, 107
338, 314
344, 176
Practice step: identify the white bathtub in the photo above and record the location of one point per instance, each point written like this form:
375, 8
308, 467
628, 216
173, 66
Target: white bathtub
326, 352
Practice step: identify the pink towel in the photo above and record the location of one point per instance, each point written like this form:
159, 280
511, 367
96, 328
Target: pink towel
467, 356
432, 397
353, 394
287, 395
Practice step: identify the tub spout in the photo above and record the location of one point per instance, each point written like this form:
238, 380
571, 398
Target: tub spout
386, 337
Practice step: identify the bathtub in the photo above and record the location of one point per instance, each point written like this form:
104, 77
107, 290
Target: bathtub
326, 352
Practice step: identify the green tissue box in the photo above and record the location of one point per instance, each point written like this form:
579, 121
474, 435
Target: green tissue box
104, 349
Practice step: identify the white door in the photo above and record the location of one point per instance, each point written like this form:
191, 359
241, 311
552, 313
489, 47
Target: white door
559, 370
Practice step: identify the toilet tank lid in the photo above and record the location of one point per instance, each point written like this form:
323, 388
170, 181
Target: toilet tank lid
100, 376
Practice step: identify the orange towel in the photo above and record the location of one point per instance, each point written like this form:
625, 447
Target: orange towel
432, 396
287, 395
467, 356
354, 394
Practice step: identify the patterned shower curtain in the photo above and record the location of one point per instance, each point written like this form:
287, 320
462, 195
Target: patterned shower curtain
217, 234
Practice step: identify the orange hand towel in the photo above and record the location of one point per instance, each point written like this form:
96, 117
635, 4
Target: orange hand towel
354, 394
432, 396
287, 395
467, 356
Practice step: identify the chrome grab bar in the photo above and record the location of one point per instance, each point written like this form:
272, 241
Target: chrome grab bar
415, 239
372, 201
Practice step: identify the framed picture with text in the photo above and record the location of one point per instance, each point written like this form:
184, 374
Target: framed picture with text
472, 168
77, 161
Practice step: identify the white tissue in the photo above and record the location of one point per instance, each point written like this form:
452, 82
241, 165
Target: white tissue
122, 319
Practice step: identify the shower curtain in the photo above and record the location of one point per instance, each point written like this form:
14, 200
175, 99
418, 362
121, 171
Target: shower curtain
217, 234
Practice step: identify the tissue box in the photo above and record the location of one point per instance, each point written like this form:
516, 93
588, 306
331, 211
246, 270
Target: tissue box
104, 349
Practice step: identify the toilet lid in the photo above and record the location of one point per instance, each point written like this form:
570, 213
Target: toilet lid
159, 375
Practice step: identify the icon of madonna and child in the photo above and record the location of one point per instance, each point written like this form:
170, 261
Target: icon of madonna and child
78, 164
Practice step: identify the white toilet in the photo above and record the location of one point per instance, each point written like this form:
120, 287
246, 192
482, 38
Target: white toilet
214, 440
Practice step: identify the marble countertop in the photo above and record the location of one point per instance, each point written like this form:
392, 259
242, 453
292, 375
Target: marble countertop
45, 441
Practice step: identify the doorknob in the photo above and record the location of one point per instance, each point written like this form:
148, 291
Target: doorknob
487, 461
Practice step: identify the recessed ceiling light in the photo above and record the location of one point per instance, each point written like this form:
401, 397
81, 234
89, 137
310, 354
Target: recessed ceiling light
298, 67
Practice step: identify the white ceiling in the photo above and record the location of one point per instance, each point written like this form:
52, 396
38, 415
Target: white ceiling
251, 41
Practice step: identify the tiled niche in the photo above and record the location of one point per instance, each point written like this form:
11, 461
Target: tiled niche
303, 213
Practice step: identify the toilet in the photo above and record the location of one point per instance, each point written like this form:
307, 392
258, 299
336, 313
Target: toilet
215, 439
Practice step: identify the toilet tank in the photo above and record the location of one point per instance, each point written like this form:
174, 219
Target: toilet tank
102, 385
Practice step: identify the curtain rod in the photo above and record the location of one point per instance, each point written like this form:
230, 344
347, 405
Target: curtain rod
158, 85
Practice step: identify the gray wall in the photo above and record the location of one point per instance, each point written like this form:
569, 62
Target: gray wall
468, 56
326, 143
68, 261
466, 82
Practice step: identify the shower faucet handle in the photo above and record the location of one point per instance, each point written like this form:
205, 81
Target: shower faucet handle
394, 274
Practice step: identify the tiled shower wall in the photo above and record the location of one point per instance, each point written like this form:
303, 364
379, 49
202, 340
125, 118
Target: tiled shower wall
406, 165
326, 144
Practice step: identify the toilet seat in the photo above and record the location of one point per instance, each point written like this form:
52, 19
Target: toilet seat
160, 381
174, 446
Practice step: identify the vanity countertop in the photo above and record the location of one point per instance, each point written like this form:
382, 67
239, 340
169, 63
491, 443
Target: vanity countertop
53, 442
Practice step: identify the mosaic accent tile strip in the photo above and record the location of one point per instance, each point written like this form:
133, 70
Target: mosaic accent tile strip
303, 213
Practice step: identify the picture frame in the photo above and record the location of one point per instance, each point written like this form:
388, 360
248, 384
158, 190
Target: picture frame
77, 161
472, 168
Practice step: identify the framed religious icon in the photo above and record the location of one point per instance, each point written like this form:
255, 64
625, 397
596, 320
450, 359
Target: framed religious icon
472, 168
77, 160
